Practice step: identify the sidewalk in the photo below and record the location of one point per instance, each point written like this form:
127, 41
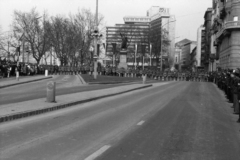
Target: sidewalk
13, 81
33, 107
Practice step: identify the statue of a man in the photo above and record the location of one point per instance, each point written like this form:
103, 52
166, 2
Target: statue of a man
124, 41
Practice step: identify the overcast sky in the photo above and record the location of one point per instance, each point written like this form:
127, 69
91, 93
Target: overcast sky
189, 13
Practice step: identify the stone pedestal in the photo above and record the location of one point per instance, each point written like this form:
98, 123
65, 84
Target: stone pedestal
123, 59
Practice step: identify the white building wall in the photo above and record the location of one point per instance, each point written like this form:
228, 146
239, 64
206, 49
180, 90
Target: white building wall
168, 23
156, 9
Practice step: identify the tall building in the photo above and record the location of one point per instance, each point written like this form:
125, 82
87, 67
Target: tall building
168, 25
139, 31
226, 32
206, 63
186, 47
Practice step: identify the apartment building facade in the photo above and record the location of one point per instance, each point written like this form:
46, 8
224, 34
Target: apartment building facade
183, 50
226, 33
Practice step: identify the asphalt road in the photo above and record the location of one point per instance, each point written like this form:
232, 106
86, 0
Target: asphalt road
179, 120
65, 84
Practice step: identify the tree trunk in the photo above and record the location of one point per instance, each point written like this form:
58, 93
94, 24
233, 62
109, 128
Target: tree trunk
38, 61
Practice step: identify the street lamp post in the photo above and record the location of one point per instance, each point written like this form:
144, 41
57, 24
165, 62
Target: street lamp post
95, 43
150, 51
8, 52
143, 54
114, 54
96, 35
135, 57
179, 59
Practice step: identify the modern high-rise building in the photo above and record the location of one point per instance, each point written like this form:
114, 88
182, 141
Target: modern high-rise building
139, 31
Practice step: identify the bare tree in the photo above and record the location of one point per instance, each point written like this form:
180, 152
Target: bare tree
85, 22
71, 37
32, 29
8, 45
57, 34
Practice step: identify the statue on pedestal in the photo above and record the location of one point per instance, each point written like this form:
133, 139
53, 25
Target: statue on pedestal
124, 42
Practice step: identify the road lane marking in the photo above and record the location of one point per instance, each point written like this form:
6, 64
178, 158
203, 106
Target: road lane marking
98, 153
140, 123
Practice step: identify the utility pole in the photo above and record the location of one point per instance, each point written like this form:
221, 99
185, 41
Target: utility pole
161, 51
150, 51
135, 56
8, 52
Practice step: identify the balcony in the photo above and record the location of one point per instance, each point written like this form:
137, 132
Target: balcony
228, 26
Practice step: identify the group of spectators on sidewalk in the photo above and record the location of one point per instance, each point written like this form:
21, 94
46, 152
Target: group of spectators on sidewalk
9, 68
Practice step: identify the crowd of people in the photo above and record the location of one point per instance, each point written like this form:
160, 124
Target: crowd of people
229, 82
8, 69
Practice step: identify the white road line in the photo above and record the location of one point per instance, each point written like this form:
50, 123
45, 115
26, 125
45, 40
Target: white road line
140, 123
98, 153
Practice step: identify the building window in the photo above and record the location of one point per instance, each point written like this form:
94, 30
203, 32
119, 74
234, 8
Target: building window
235, 18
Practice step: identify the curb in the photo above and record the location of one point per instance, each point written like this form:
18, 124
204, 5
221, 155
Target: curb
81, 79
14, 84
113, 82
120, 82
60, 106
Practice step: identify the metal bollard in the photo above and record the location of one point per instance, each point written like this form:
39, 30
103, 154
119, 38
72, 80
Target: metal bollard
17, 76
144, 77
46, 73
51, 90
